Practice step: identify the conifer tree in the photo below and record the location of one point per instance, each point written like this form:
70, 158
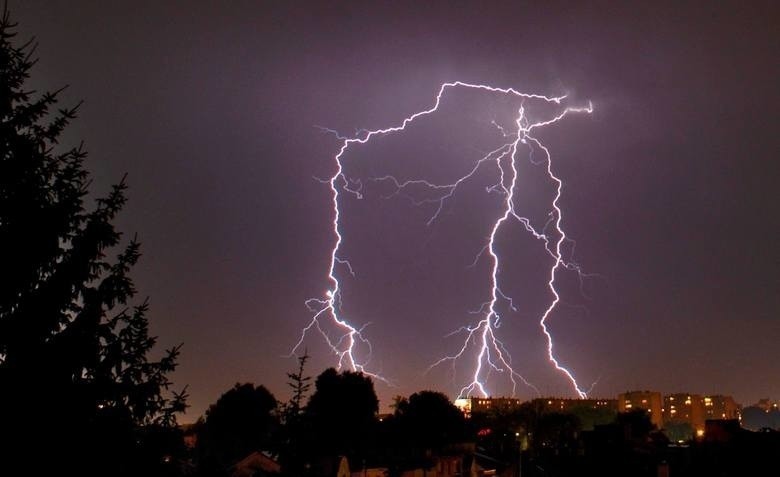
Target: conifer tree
299, 383
77, 384
293, 434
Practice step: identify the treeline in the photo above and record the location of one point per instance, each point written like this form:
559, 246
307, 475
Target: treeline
339, 417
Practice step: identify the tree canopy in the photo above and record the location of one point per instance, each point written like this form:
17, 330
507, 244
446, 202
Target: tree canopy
74, 351
430, 420
342, 413
241, 421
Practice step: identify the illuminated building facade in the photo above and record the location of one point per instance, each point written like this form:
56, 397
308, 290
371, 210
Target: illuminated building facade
569, 405
685, 408
678, 408
471, 405
650, 401
718, 406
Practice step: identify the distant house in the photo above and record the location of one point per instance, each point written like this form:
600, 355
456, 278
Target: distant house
373, 472
447, 466
331, 467
343, 468
190, 435
256, 464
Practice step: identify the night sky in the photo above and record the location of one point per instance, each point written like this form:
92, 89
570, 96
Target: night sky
670, 188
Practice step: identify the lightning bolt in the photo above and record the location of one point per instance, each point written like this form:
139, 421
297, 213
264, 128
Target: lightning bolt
491, 354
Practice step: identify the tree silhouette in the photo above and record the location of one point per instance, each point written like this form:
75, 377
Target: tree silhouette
300, 385
679, 431
292, 435
341, 415
429, 420
503, 431
556, 431
636, 424
240, 422
75, 378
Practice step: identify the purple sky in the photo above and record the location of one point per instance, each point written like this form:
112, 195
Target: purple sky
670, 185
